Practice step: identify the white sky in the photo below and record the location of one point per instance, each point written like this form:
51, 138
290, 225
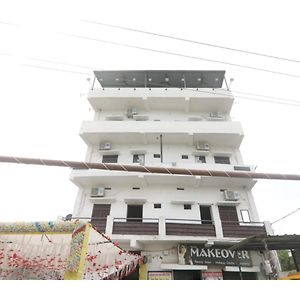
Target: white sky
41, 110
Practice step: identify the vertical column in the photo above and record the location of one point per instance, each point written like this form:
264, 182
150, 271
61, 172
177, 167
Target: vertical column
162, 226
79, 251
217, 221
109, 225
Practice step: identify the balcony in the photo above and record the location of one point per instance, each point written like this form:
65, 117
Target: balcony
219, 134
168, 228
135, 226
205, 100
242, 229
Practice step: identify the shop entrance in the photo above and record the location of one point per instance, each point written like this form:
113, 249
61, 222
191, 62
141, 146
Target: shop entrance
236, 276
187, 274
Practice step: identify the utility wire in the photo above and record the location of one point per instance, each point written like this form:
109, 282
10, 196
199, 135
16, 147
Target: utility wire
55, 69
176, 54
190, 41
179, 55
291, 101
286, 216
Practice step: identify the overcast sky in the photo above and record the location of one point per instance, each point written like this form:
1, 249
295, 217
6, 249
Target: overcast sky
41, 109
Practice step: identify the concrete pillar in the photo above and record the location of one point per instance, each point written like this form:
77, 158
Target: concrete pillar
217, 221
109, 225
162, 226
269, 228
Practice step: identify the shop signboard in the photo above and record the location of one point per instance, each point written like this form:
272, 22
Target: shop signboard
152, 275
199, 255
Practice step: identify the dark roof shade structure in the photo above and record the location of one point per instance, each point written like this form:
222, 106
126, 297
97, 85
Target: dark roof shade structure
160, 79
269, 242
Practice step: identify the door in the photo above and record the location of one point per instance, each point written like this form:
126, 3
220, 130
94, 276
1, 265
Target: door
99, 216
187, 274
135, 213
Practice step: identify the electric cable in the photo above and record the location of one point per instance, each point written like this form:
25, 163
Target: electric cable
178, 54
190, 41
291, 102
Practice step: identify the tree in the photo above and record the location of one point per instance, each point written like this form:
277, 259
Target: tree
286, 260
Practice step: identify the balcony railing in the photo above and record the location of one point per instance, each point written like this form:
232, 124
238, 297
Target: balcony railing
190, 227
135, 226
176, 227
242, 229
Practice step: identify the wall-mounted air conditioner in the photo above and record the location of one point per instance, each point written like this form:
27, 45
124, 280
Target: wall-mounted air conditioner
105, 146
98, 192
202, 146
231, 195
131, 112
216, 116
174, 163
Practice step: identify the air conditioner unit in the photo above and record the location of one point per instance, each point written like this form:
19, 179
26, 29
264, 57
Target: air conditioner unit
202, 146
231, 196
174, 164
131, 112
105, 146
98, 192
216, 115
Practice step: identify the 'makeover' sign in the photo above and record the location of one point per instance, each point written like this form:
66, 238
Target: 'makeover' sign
197, 255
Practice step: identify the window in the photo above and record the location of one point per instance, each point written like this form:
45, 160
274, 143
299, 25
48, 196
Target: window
205, 214
134, 213
245, 216
139, 158
110, 158
136, 188
222, 160
184, 156
200, 159
107, 188
157, 205
187, 206
156, 155
180, 189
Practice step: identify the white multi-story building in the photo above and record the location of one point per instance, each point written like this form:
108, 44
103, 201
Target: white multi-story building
183, 226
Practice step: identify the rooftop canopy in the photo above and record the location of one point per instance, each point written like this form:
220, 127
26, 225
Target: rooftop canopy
271, 242
160, 79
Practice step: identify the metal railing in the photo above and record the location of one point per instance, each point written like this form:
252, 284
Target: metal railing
190, 221
148, 220
241, 223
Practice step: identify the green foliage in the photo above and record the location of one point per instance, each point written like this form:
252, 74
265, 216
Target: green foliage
286, 260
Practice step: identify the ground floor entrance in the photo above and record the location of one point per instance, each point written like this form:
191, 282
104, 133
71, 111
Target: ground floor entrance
187, 275
239, 276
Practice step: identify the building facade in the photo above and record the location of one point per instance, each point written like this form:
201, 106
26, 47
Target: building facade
182, 225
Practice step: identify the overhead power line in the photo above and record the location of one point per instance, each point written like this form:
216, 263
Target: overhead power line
179, 55
146, 169
191, 41
283, 101
291, 213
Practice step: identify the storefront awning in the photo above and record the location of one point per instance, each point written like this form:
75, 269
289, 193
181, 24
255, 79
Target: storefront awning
269, 242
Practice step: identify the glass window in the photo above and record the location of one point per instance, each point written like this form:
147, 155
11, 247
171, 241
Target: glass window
184, 156
222, 160
187, 206
157, 205
110, 158
139, 158
156, 155
245, 216
134, 213
205, 214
